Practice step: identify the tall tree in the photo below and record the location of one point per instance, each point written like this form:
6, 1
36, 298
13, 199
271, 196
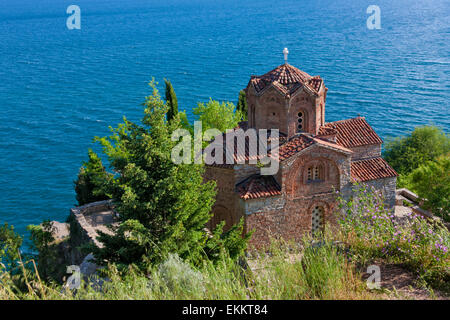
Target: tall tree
171, 99
424, 144
89, 184
221, 116
242, 105
432, 182
163, 207
10, 243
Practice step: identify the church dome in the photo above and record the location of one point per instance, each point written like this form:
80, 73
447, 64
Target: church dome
287, 78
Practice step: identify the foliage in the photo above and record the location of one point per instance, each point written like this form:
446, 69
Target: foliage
89, 185
163, 207
178, 276
432, 182
43, 242
216, 115
323, 274
10, 243
242, 105
232, 242
425, 143
373, 232
171, 100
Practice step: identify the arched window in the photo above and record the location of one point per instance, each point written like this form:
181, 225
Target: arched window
315, 173
317, 222
300, 121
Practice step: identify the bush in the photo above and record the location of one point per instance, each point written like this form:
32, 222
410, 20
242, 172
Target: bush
10, 243
179, 277
432, 182
373, 232
91, 179
42, 240
216, 115
407, 153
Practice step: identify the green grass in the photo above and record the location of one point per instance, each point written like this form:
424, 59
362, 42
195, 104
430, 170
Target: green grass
320, 273
365, 232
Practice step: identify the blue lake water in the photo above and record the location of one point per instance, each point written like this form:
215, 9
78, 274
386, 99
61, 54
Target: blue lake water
59, 88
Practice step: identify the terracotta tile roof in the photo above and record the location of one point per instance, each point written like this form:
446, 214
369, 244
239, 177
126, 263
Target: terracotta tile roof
287, 79
301, 142
331, 144
371, 169
287, 148
352, 132
327, 131
245, 156
293, 146
315, 83
257, 186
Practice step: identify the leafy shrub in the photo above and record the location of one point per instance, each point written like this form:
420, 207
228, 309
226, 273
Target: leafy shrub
91, 179
10, 243
216, 115
432, 182
372, 231
178, 276
404, 154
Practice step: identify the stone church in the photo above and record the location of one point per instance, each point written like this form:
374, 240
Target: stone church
316, 159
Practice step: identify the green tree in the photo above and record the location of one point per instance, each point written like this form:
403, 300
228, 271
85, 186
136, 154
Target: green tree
10, 243
171, 99
221, 116
407, 153
242, 105
42, 240
91, 178
432, 183
163, 207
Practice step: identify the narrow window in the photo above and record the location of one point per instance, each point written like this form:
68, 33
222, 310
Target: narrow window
316, 173
300, 122
317, 222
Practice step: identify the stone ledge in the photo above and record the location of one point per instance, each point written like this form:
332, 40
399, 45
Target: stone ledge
86, 222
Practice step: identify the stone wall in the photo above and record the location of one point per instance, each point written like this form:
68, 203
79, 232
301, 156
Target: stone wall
85, 222
226, 204
243, 171
273, 109
366, 152
336, 167
278, 218
387, 187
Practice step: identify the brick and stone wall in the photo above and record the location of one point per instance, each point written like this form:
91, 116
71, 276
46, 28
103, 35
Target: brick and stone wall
278, 218
272, 109
226, 206
386, 187
336, 167
366, 152
243, 171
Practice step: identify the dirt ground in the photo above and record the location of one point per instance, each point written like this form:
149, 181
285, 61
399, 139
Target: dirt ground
399, 283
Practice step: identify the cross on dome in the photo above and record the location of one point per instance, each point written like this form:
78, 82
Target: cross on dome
285, 52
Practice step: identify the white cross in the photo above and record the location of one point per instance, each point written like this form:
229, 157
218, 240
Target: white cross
285, 52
